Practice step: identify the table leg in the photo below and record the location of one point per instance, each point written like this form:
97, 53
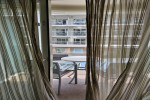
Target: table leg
75, 74
76, 68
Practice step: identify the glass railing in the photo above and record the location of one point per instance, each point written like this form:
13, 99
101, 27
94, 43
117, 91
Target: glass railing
79, 33
72, 33
78, 42
57, 42
69, 43
55, 33
69, 23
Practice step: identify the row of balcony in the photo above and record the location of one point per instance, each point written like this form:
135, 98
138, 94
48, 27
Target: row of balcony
54, 33
54, 23
70, 43
68, 23
69, 34
84, 43
71, 23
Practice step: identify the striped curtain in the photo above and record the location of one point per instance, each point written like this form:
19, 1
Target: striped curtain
22, 75
118, 51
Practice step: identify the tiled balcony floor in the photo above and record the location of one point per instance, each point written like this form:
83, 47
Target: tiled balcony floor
71, 91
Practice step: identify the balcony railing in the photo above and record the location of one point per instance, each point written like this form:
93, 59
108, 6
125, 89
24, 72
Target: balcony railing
57, 42
76, 42
69, 43
79, 23
79, 34
68, 23
72, 33
55, 33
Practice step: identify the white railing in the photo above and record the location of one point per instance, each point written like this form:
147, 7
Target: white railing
69, 43
71, 33
68, 23
54, 33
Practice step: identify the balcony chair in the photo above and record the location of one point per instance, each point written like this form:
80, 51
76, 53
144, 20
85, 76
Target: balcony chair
61, 70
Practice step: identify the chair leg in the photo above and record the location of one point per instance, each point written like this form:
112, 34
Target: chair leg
59, 85
72, 79
71, 74
86, 77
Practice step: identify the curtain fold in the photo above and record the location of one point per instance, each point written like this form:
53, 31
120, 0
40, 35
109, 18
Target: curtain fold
22, 75
118, 55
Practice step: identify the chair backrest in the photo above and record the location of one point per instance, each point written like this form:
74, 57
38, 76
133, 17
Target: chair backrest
56, 70
60, 68
66, 66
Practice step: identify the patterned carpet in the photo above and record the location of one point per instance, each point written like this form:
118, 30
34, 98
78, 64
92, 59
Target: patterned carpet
71, 91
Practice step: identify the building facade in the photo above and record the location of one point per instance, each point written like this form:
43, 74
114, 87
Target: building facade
68, 35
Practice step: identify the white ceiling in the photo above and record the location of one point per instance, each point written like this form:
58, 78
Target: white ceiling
68, 2
68, 6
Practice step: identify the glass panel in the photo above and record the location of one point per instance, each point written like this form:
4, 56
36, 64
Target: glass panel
78, 50
79, 21
79, 41
61, 41
61, 21
60, 50
79, 32
61, 32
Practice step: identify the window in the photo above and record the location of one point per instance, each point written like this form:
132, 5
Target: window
82, 41
61, 32
79, 21
79, 41
79, 32
62, 41
60, 50
61, 21
76, 41
78, 50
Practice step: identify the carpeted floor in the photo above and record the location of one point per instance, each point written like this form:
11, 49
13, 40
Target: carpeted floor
71, 91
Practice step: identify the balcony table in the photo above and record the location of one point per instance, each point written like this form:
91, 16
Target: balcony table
74, 59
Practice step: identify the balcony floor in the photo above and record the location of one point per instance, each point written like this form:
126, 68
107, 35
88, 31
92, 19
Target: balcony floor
71, 91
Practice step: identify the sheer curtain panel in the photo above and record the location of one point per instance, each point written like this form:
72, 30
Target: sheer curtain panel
118, 55
22, 75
